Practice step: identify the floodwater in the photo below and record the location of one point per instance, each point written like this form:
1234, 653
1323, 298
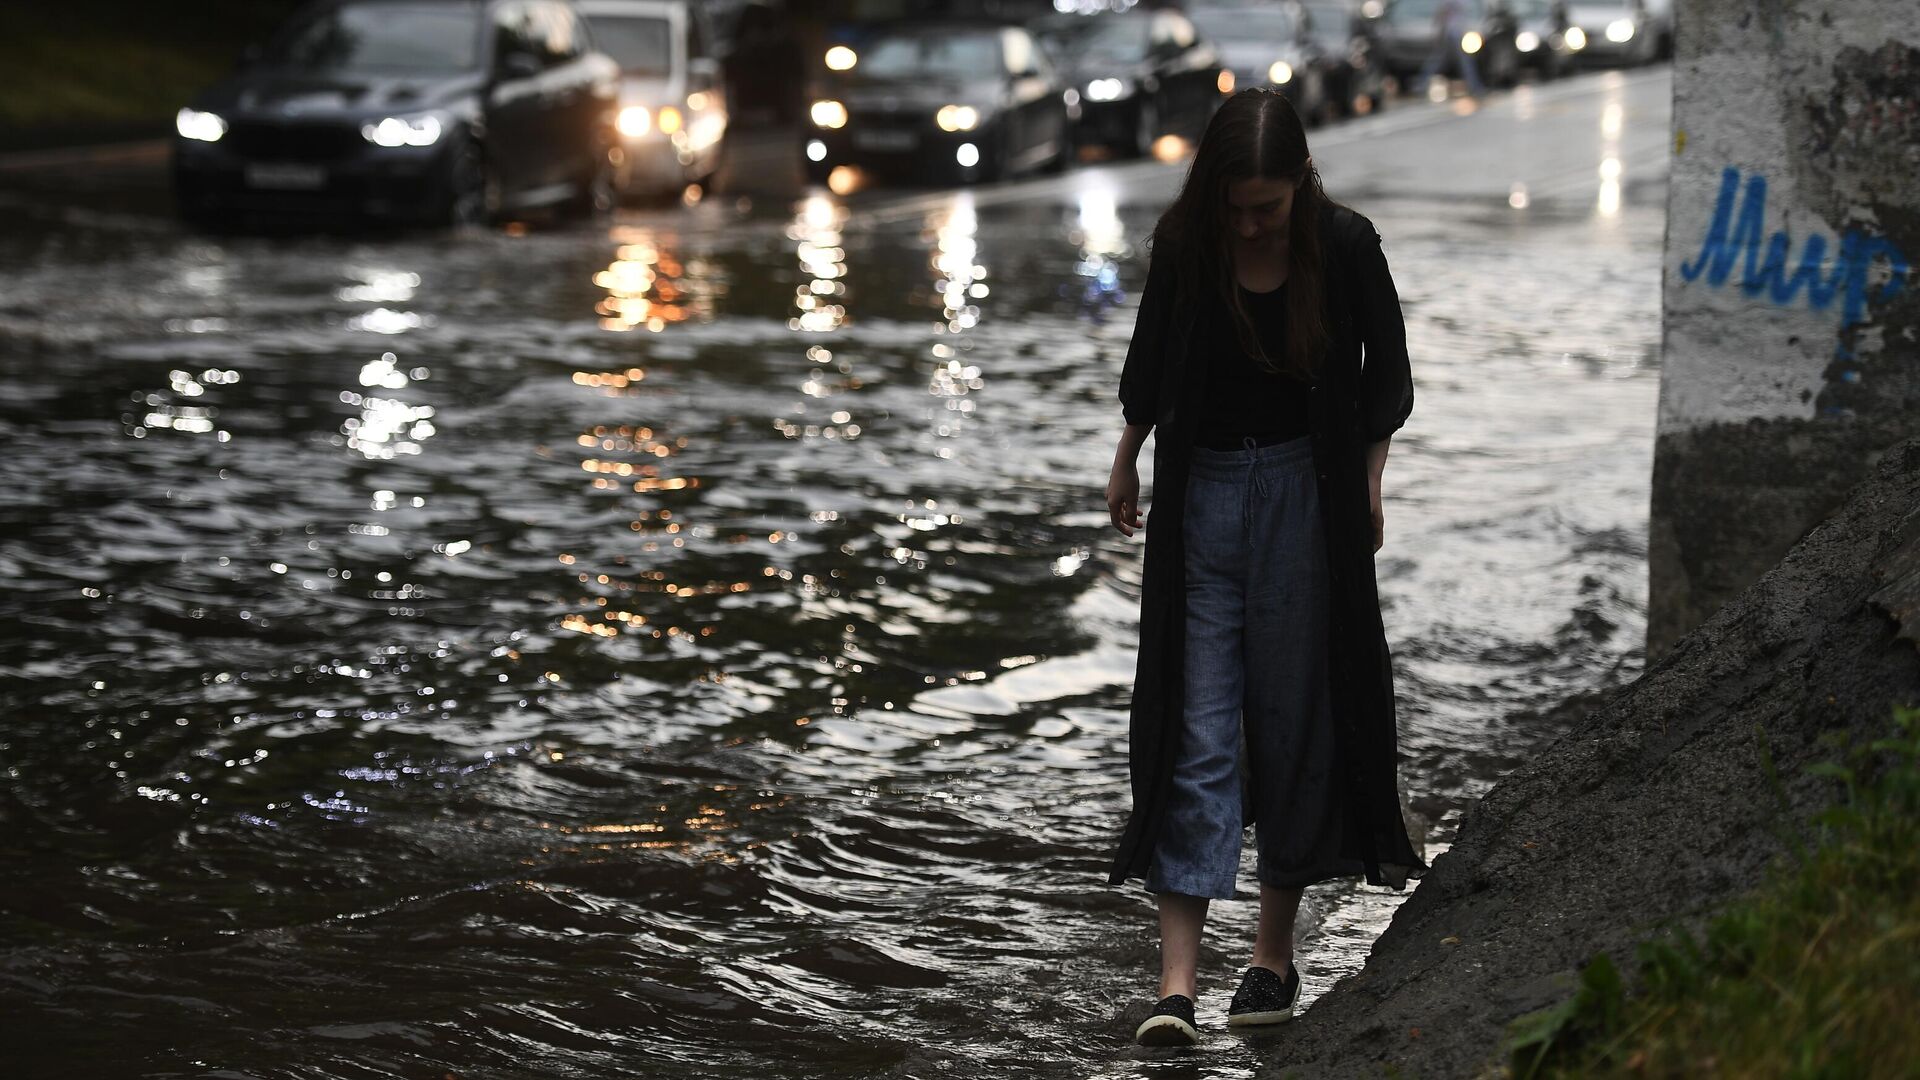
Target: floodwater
695, 647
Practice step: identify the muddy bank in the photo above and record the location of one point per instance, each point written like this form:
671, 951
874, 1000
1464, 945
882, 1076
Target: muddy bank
1655, 807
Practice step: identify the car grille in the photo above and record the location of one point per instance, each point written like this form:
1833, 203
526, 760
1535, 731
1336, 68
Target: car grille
916, 120
293, 142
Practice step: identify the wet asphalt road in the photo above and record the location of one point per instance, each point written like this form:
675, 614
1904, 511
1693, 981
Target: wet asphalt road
692, 645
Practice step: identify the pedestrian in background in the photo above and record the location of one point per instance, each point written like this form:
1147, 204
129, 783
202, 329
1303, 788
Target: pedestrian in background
1264, 692
1450, 27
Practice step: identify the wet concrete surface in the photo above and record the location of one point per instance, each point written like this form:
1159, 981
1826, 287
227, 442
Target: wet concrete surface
692, 644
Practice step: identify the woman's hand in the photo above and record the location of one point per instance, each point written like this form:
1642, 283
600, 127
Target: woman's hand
1379, 519
1376, 465
1123, 485
1123, 495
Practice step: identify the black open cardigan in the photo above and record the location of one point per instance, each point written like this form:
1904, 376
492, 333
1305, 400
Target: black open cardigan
1353, 404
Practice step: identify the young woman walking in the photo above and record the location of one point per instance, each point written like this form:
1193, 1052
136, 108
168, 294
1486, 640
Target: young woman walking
1271, 358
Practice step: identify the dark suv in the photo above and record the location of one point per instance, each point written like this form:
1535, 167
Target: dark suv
443, 111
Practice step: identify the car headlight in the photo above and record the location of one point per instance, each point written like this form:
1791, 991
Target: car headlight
199, 126
957, 117
1106, 90
1576, 38
634, 121
1526, 41
1620, 31
1281, 73
669, 119
828, 114
403, 131
1471, 41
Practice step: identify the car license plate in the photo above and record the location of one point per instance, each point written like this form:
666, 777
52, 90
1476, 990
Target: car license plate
884, 140
281, 176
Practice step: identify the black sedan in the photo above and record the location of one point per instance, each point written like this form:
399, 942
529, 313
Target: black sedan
946, 100
1357, 79
1136, 75
411, 110
1541, 36
1410, 33
1270, 45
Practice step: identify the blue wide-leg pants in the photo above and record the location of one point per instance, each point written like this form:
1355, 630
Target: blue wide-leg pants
1258, 739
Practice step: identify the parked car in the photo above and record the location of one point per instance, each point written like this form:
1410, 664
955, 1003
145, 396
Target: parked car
1614, 32
1410, 32
1540, 36
673, 108
1358, 81
1137, 75
965, 100
1660, 20
1498, 30
410, 110
1269, 45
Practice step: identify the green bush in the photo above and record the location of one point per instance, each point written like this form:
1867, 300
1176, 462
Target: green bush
124, 63
1815, 975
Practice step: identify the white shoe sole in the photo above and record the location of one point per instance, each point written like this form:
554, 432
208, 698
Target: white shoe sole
1165, 1031
1256, 1019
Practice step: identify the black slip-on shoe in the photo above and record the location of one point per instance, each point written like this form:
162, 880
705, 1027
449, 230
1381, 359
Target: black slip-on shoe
1264, 998
1170, 1025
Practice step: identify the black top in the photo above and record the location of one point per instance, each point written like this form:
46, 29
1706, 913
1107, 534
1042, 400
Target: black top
1363, 309
1242, 399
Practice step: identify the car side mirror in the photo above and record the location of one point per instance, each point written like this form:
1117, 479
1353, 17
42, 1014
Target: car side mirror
518, 65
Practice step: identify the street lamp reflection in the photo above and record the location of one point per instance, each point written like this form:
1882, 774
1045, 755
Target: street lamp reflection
387, 427
959, 279
1612, 123
1101, 238
816, 235
646, 285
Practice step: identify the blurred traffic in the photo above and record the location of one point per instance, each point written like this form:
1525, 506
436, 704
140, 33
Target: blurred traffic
463, 112
959, 100
402, 109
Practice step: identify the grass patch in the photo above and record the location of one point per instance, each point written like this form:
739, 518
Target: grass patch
118, 64
1816, 974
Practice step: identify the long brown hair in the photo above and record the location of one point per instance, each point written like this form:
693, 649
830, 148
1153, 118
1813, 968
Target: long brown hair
1255, 133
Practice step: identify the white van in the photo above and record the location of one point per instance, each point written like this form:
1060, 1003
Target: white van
673, 105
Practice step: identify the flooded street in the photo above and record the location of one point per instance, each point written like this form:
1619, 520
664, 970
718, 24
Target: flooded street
695, 646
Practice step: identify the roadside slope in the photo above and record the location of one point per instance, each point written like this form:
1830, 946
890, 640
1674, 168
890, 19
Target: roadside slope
1656, 807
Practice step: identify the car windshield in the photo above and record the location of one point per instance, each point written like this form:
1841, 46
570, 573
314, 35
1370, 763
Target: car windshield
380, 37
1116, 38
642, 45
942, 56
1244, 24
1333, 24
1422, 11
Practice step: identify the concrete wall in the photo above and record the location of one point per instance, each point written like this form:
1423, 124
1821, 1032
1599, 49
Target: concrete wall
1792, 305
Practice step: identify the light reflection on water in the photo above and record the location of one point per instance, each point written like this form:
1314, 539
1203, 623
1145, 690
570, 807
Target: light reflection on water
743, 695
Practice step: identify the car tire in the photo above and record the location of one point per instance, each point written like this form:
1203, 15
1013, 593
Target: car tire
1503, 68
1064, 151
993, 160
192, 211
473, 191
597, 193
710, 179
1146, 128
